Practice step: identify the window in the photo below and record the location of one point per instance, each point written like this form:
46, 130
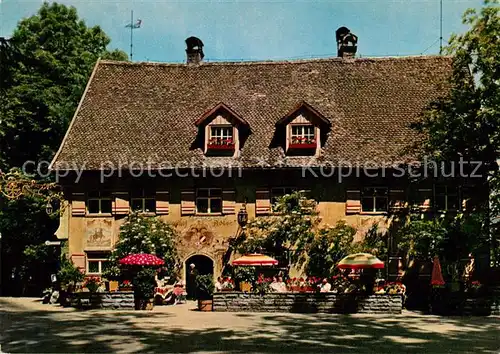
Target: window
221, 135
279, 192
374, 200
143, 201
99, 203
303, 134
97, 262
209, 201
445, 197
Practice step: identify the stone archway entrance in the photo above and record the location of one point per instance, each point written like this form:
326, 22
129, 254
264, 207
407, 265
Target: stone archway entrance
203, 265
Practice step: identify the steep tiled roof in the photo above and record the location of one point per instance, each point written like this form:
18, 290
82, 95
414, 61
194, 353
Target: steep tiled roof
135, 113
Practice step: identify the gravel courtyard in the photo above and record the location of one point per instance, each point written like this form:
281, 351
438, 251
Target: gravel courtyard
29, 326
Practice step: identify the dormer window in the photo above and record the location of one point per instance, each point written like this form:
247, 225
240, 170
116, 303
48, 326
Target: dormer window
303, 129
221, 138
302, 137
222, 131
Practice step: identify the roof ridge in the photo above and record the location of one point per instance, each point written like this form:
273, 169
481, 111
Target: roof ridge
278, 62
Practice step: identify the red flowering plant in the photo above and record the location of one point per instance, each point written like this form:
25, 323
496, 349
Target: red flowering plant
303, 140
220, 141
92, 283
228, 283
395, 288
263, 285
340, 284
125, 284
474, 288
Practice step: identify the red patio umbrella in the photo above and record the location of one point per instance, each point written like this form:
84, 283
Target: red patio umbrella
255, 259
437, 275
142, 259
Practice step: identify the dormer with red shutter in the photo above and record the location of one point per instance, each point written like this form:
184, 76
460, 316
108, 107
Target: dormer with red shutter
304, 129
222, 131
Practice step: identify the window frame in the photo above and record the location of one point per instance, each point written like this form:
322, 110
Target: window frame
144, 195
209, 198
220, 138
99, 199
101, 259
302, 135
447, 196
374, 198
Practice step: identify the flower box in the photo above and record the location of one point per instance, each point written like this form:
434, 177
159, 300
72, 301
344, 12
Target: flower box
302, 146
225, 147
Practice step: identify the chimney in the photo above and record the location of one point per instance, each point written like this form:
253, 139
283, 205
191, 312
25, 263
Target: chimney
347, 43
194, 50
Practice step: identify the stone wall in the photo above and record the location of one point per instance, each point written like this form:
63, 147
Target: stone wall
118, 300
307, 303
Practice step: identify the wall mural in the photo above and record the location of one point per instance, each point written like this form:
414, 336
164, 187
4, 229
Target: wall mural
99, 234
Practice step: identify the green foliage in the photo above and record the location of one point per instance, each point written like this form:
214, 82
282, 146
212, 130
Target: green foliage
330, 245
286, 234
204, 287
52, 55
374, 242
144, 234
69, 273
422, 239
92, 284
245, 274
144, 283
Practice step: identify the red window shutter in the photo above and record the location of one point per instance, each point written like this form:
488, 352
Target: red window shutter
121, 203
188, 205
162, 203
353, 202
228, 201
78, 204
262, 202
397, 200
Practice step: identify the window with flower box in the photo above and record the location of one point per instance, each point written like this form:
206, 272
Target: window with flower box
209, 201
374, 200
302, 136
221, 138
97, 262
99, 203
143, 201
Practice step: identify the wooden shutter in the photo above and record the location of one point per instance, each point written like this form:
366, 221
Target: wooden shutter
79, 260
424, 197
188, 206
397, 200
78, 204
262, 202
353, 202
162, 203
228, 201
120, 203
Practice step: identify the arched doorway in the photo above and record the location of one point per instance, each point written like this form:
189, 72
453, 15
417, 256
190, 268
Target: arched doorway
203, 265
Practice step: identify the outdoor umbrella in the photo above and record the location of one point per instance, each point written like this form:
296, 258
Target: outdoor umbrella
360, 261
437, 276
255, 259
142, 259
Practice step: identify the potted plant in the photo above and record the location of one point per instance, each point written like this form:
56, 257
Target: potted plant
245, 276
67, 276
112, 276
125, 285
204, 291
144, 285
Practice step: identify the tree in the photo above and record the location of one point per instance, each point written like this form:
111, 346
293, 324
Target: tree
53, 54
466, 124
44, 68
143, 234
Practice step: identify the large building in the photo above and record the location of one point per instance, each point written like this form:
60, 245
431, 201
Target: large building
192, 143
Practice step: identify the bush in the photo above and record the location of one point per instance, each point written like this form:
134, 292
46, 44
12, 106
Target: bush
144, 283
69, 273
204, 287
244, 274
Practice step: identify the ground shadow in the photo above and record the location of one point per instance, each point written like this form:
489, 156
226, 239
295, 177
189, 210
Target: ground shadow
25, 330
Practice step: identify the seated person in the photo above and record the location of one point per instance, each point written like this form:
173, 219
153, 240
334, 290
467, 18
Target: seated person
281, 286
325, 286
218, 284
274, 286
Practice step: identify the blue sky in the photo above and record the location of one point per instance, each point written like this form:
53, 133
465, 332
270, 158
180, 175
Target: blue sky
260, 30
